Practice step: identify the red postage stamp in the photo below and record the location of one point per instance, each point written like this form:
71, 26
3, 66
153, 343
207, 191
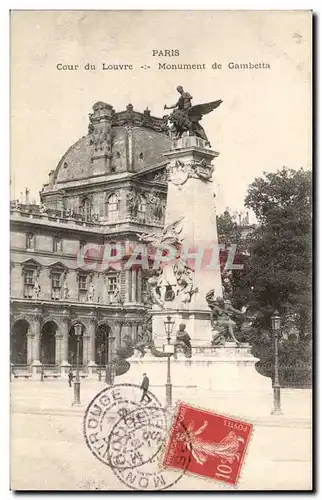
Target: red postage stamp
217, 444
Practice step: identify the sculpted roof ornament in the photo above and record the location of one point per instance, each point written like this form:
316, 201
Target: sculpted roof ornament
129, 117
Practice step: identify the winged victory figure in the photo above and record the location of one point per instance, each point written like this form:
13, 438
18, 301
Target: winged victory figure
186, 117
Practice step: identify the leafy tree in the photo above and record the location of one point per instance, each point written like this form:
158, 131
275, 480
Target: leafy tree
277, 274
278, 271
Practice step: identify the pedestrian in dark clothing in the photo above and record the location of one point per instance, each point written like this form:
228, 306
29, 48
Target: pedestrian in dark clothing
145, 387
70, 377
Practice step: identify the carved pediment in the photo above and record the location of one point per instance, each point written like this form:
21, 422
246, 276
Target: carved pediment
30, 263
58, 264
58, 267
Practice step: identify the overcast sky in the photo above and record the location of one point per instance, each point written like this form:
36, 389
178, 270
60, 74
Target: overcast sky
263, 123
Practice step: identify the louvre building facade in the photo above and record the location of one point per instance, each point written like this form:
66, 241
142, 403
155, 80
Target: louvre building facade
109, 187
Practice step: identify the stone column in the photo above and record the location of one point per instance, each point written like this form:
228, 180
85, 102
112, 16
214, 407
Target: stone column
126, 330
139, 331
36, 326
105, 297
90, 357
91, 340
139, 285
30, 340
133, 284
111, 347
86, 349
118, 333
58, 348
64, 345
127, 284
36, 339
134, 331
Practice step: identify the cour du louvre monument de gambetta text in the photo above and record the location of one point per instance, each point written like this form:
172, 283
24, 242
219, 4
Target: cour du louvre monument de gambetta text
106, 66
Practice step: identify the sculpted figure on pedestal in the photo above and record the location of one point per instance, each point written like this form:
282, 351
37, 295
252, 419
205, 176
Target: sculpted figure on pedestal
221, 318
65, 289
185, 283
160, 290
186, 117
132, 202
37, 290
156, 205
183, 341
117, 299
91, 293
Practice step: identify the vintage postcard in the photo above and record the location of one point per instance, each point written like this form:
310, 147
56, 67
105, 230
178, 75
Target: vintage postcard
160, 216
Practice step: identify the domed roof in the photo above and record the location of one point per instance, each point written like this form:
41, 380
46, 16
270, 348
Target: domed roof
116, 142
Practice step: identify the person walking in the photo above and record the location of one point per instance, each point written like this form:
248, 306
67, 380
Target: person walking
70, 377
145, 386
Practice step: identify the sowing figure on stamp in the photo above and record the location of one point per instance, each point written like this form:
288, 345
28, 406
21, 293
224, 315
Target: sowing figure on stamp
220, 317
227, 449
186, 117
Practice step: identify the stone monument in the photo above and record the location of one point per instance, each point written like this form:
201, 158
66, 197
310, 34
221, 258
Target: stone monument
190, 219
207, 361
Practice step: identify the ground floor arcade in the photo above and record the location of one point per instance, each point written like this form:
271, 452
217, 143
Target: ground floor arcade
47, 337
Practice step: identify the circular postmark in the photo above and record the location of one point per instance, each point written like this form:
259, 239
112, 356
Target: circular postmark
135, 448
137, 437
129, 436
107, 408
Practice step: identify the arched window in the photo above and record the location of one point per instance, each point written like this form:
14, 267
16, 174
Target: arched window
112, 208
142, 207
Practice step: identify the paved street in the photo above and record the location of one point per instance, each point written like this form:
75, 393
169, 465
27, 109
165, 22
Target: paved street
48, 450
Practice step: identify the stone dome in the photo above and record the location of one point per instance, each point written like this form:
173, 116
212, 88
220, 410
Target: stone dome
116, 142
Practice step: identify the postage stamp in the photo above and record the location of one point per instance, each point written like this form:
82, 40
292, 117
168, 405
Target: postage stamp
217, 443
130, 436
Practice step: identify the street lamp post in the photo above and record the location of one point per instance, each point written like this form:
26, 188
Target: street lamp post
106, 357
276, 326
168, 325
78, 334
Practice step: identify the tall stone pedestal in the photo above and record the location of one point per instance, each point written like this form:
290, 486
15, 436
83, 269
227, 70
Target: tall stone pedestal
191, 203
223, 379
197, 325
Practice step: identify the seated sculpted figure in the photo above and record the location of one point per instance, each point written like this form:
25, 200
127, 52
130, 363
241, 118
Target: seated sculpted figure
221, 318
183, 341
